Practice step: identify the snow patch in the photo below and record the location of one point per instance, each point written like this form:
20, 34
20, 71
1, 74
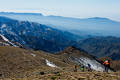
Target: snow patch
48, 29
94, 64
33, 55
3, 26
4, 38
13, 44
50, 63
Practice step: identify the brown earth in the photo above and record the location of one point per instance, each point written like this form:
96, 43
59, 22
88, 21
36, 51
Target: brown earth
16, 60
56, 74
21, 64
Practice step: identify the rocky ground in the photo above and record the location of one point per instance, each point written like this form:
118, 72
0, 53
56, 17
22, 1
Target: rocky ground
22, 64
64, 74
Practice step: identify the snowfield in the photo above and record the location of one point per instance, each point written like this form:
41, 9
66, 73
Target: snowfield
95, 65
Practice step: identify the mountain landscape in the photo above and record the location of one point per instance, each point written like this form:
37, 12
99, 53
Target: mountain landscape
42, 37
33, 47
59, 40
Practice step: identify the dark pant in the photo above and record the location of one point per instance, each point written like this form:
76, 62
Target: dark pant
75, 70
106, 68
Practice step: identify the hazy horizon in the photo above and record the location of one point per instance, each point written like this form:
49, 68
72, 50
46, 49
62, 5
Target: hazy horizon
66, 8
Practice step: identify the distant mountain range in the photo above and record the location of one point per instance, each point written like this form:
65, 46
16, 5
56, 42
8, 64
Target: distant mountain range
84, 27
36, 36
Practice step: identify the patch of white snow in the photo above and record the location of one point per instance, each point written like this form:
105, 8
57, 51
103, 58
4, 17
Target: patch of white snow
33, 55
3, 26
94, 64
4, 38
50, 63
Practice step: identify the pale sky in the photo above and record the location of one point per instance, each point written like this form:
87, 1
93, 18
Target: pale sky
68, 8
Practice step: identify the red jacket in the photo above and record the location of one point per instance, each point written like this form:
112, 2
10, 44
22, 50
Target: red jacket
106, 63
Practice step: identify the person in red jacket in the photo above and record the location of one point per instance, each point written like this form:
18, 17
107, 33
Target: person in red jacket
107, 65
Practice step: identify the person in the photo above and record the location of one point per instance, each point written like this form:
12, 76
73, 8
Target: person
82, 67
89, 67
75, 68
107, 65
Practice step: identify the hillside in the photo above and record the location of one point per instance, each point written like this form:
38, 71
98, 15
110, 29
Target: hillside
5, 42
80, 57
15, 61
21, 64
36, 36
102, 46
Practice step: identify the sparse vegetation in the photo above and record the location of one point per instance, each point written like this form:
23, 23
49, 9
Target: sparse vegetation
19, 64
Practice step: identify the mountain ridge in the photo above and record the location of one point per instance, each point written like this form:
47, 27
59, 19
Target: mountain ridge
27, 13
32, 35
102, 46
12, 13
97, 26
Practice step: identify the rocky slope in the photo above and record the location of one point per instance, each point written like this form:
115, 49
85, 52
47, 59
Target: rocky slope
17, 63
102, 46
5, 42
81, 57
